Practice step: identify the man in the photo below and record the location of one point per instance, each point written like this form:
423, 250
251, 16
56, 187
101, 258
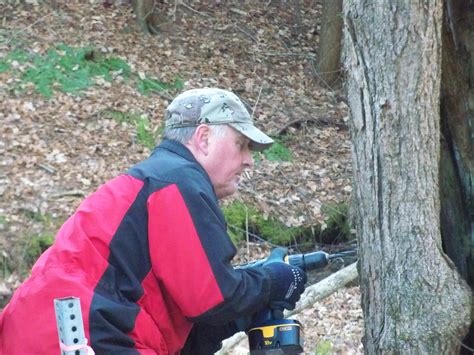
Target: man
148, 253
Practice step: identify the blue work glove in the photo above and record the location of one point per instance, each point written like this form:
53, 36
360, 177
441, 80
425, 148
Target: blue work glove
287, 281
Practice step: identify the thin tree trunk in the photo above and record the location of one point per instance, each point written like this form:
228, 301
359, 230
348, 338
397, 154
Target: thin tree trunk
330, 39
413, 298
146, 16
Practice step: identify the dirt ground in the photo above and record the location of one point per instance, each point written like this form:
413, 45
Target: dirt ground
55, 151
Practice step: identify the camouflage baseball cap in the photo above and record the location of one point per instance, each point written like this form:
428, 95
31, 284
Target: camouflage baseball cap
214, 106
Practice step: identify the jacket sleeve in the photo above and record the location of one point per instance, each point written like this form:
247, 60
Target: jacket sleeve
191, 253
207, 339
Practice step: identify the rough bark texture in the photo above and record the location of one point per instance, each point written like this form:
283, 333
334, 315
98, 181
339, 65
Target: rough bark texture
330, 40
413, 298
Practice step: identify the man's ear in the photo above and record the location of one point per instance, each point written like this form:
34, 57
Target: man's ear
201, 138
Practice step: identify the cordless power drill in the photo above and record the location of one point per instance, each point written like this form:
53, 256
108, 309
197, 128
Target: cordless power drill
270, 332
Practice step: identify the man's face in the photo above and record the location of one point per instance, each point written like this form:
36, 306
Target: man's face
229, 155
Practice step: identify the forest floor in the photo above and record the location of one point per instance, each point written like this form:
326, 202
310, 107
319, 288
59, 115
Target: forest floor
56, 147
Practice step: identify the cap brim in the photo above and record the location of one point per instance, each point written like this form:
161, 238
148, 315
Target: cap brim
258, 140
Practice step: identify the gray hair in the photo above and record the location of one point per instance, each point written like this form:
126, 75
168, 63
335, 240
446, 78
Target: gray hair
184, 134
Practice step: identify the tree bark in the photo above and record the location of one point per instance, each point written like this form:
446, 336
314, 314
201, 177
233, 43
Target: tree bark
413, 298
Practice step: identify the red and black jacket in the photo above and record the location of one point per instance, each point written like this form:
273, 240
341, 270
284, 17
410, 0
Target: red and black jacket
149, 255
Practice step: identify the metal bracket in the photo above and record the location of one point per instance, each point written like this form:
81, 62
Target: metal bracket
70, 326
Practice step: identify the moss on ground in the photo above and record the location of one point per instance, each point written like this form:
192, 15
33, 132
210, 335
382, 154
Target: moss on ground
243, 219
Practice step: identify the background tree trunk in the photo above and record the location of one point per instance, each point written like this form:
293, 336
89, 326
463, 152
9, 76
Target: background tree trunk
413, 298
146, 15
330, 41
457, 118
457, 143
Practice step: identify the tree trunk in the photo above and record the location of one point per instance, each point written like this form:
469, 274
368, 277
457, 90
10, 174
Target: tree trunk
330, 39
457, 118
147, 18
457, 129
413, 298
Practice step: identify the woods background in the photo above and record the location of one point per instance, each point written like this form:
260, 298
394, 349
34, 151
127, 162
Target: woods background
84, 86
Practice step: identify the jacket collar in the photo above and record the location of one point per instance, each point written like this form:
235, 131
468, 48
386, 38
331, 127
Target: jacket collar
177, 148
181, 150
